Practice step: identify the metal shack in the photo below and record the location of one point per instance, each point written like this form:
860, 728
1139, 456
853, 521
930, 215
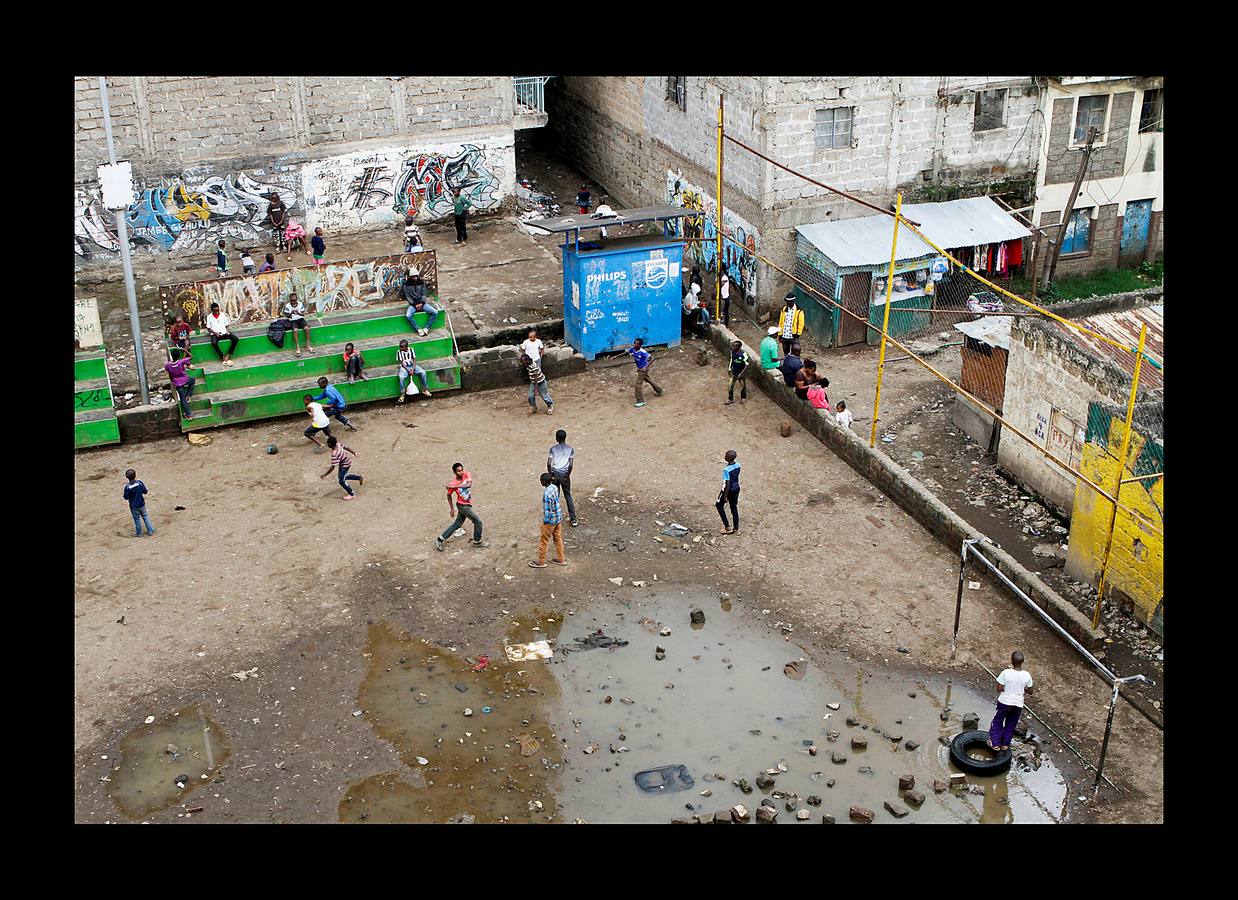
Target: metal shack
849, 261
616, 289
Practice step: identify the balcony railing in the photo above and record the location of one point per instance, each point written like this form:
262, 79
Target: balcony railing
530, 94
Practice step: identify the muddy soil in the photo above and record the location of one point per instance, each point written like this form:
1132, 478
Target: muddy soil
265, 568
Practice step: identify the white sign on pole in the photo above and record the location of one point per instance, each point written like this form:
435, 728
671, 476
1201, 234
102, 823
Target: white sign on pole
117, 184
86, 330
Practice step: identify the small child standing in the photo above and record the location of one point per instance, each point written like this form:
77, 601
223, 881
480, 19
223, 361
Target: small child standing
247, 263
342, 457
843, 415
135, 493
1015, 682
319, 245
412, 236
729, 493
739, 372
353, 364
221, 260
582, 199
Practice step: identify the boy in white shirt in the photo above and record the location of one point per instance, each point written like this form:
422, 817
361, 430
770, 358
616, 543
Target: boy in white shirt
295, 312
842, 416
533, 346
218, 324
1015, 683
320, 424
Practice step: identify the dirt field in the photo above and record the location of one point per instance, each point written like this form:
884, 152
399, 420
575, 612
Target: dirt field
265, 567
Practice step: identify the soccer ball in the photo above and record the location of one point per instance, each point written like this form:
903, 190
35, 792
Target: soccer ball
272, 449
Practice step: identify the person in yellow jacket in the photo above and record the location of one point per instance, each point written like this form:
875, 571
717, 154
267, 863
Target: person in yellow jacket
790, 324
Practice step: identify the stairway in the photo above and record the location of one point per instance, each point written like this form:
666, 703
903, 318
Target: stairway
94, 415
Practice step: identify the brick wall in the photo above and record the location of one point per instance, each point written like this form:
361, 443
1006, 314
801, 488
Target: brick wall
1106, 240
1108, 160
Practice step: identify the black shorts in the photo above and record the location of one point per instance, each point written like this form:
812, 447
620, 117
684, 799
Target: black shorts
300, 323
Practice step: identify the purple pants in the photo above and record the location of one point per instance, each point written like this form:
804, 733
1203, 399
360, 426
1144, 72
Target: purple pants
1002, 729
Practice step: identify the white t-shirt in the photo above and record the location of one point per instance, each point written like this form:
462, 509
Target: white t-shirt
246, 259
843, 418
321, 421
726, 287
294, 311
533, 349
218, 324
1013, 682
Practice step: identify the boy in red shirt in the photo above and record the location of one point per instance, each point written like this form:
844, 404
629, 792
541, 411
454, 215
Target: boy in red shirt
461, 488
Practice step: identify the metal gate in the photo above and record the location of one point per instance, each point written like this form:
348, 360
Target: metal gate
856, 289
1135, 232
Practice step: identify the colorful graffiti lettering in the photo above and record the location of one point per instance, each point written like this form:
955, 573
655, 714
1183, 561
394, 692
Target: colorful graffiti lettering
348, 284
180, 216
740, 261
433, 179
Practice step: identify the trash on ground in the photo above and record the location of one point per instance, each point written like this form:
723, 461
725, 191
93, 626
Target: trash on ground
592, 642
199, 440
664, 779
675, 530
615, 580
531, 650
973, 585
795, 669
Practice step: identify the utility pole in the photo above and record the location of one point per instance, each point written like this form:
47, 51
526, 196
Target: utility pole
122, 236
1070, 207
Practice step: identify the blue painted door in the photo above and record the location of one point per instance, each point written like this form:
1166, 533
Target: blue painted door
1135, 231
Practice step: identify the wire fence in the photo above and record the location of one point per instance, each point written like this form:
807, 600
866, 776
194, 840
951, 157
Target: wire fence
1073, 407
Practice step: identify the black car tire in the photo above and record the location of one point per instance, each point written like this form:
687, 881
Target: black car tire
969, 739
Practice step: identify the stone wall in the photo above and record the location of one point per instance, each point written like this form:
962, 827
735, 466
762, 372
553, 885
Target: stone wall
499, 367
912, 496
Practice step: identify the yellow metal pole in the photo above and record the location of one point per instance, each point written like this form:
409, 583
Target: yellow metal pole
718, 274
1126, 443
885, 321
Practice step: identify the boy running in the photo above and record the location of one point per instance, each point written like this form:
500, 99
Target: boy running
1015, 683
729, 493
537, 385
334, 403
320, 424
461, 487
343, 457
643, 360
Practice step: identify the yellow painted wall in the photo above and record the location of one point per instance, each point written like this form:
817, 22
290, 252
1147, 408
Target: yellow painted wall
1137, 559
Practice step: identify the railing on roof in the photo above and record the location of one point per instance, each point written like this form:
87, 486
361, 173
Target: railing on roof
530, 94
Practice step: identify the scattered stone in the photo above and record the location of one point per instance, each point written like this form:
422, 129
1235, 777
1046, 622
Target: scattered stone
739, 813
906, 782
792, 804
859, 743
684, 821
939, 786
462, 687
467, 711
958, 780
723, 817
838, 758
853, 721
894, 737
744, 786
978, 789
785, 429
827, 820
802, 815
832, 705
904, 650
659, 653
866, 770
830, 783
971, 722
766, 815
462, 819
764, 781
912, 745
697, 616
896, 809
813, 800
812, 751
911, 694
860, 814
770, 803
915, 798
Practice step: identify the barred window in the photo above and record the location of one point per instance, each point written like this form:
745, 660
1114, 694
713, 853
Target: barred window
833, 127
1152, 114
1090, 114
990, 110
677, 90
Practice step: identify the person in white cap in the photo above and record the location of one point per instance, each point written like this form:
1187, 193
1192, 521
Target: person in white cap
769, 349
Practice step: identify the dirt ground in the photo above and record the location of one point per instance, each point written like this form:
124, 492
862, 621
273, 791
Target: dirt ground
265, 567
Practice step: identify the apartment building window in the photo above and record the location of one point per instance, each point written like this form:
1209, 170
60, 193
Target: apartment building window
833, 127
677, 90
1090, 113
1152, 114
990, 110
1078, 235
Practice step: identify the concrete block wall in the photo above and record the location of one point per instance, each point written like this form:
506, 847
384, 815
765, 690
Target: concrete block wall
1108, 159
495, 367
1106, 240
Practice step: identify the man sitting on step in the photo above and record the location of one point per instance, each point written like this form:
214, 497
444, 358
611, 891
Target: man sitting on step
407, 360
415, 296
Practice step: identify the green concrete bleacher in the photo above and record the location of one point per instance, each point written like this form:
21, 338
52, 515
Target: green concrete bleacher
266, 381
94, 413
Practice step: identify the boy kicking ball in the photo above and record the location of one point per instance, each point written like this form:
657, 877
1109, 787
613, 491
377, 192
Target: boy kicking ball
343, 457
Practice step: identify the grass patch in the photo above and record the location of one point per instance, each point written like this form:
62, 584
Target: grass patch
1095, 284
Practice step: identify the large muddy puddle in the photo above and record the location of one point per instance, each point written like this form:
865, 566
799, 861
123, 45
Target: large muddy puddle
563, 739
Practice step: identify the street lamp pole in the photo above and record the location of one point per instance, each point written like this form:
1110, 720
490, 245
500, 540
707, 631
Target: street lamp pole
122, 235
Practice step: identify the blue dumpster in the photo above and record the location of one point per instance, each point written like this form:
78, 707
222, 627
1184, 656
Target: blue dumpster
631, 288
616, 289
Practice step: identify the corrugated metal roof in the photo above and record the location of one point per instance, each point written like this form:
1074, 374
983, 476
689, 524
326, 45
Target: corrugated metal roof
864, 241
958, 223
1124, 327
991, 330
965, 223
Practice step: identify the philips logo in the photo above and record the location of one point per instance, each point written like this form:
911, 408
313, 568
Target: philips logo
601, 277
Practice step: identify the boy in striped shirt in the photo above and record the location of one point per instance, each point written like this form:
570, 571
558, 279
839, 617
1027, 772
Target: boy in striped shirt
342, 457
552, 523
537, 385
407, 360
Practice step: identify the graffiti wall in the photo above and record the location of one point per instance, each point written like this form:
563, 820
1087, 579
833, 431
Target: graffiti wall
377, 187
186, 213
740, 261
334, 287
